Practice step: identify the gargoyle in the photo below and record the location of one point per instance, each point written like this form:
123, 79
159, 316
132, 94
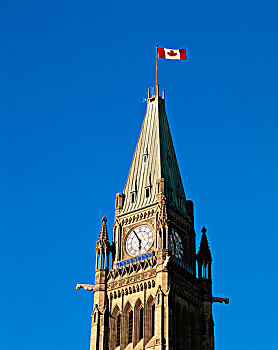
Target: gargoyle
89, 287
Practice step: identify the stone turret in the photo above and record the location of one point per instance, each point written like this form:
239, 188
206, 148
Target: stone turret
100, 313
102, 247
204, 257
204, 274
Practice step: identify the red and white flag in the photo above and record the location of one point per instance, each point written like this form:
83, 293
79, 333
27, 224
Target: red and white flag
170, 54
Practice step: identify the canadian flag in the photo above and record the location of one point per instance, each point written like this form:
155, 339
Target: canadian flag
170, 54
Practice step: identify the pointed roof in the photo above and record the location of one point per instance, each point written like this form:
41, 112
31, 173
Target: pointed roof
204, 251
154, 158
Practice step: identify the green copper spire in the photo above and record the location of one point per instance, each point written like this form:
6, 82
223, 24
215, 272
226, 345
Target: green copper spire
154, 158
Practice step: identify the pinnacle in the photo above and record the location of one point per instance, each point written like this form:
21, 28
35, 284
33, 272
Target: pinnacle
103, 235
204, 251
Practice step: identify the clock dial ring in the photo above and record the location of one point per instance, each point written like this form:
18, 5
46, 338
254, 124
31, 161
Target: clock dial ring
139, 240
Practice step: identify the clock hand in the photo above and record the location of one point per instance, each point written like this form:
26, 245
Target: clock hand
139, 240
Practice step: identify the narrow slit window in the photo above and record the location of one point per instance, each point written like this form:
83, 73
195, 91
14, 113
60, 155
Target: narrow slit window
141, 323
147, 192
118, 334
130, 326
153, 319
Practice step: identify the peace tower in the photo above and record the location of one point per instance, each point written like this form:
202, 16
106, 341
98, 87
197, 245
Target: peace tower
157, 292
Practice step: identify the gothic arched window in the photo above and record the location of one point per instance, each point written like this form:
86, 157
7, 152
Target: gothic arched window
186, 328
138, 322
130, 326
114, 328
178, 327
118, 333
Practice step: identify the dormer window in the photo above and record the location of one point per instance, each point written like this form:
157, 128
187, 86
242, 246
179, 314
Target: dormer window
148, 188
146, 155
179, 202
133, 193
170, 194
169, 159
133, 197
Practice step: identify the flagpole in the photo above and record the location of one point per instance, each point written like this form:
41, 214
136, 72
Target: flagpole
156, 89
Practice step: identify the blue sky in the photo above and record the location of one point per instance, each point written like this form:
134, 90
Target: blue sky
72, 78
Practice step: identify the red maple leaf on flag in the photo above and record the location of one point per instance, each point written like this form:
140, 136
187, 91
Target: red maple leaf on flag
171, 53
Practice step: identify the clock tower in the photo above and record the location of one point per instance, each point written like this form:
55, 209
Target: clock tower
156, 292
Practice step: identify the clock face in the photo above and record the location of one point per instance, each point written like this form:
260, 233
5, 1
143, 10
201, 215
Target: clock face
176, 244
139, 240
